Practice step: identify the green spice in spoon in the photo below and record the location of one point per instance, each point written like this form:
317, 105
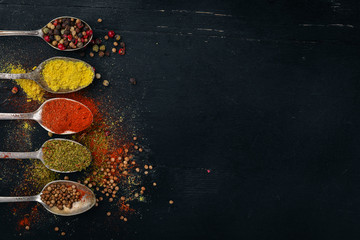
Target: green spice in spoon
66, 155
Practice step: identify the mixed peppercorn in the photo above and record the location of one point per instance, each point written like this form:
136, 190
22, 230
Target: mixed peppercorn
60, 195
67, 33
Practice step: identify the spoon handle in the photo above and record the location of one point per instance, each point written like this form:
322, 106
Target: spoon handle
14, 116
15, 76
19, 199
19, 33
20, 155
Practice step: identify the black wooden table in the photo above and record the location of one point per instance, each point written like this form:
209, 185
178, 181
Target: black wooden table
250, 109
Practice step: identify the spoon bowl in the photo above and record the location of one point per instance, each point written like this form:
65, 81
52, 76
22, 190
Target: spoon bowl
86, 202
37, 76
40, 33
37, 115
39, 154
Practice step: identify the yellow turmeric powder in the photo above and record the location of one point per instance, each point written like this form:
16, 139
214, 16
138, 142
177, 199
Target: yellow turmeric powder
31, 88
62, 74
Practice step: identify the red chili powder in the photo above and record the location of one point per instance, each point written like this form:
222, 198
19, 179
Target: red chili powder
61, 115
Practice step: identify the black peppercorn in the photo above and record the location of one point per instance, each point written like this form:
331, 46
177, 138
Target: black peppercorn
73, 40
85, 28
52, 38
77, 30
80, 35
51, 32
67, 32
58, 27
56, 32
66, 43
98, 41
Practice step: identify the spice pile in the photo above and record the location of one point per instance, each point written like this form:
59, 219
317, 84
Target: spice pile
60, 195
99, 47
61, 115
67, 33
61, 74
120, 173
64, 155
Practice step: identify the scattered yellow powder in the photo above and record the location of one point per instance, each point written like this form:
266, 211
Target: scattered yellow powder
31, 88
62, 74
26, 125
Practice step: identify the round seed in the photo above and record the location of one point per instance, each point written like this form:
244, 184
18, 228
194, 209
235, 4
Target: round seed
106, 83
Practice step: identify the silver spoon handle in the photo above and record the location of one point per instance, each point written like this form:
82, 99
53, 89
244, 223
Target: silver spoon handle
14, 116
15, 76
20, 33
19, 199
20, 155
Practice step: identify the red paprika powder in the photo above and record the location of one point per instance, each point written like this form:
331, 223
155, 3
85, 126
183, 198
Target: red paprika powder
62, 114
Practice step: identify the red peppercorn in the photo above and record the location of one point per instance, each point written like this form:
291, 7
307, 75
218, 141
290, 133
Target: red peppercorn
69, 37
61, 46
92, 41
55, 23
80, 25
111, 34
14, 90
82, 40
89, 32
122, 51
76, 41
47, 38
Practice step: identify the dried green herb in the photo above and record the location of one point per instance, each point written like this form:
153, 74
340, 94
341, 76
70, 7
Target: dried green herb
65, 155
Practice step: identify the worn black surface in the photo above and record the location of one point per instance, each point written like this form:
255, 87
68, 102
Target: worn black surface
265, 94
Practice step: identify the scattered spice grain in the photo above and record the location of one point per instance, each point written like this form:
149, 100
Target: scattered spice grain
133, 81
106, 83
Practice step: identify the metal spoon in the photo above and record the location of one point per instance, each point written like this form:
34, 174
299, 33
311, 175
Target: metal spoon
37, 76
37, 115
87, 201
39, 33
38, 155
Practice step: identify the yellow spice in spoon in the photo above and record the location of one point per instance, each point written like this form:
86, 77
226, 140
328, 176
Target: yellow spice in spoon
63, 74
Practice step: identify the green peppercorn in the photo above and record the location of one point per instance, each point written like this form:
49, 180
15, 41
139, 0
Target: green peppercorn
117, 37
46, 30
95, 48
102, 48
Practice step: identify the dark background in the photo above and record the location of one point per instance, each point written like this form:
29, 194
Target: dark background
264, 94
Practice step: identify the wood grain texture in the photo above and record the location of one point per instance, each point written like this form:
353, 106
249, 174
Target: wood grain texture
262, 93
